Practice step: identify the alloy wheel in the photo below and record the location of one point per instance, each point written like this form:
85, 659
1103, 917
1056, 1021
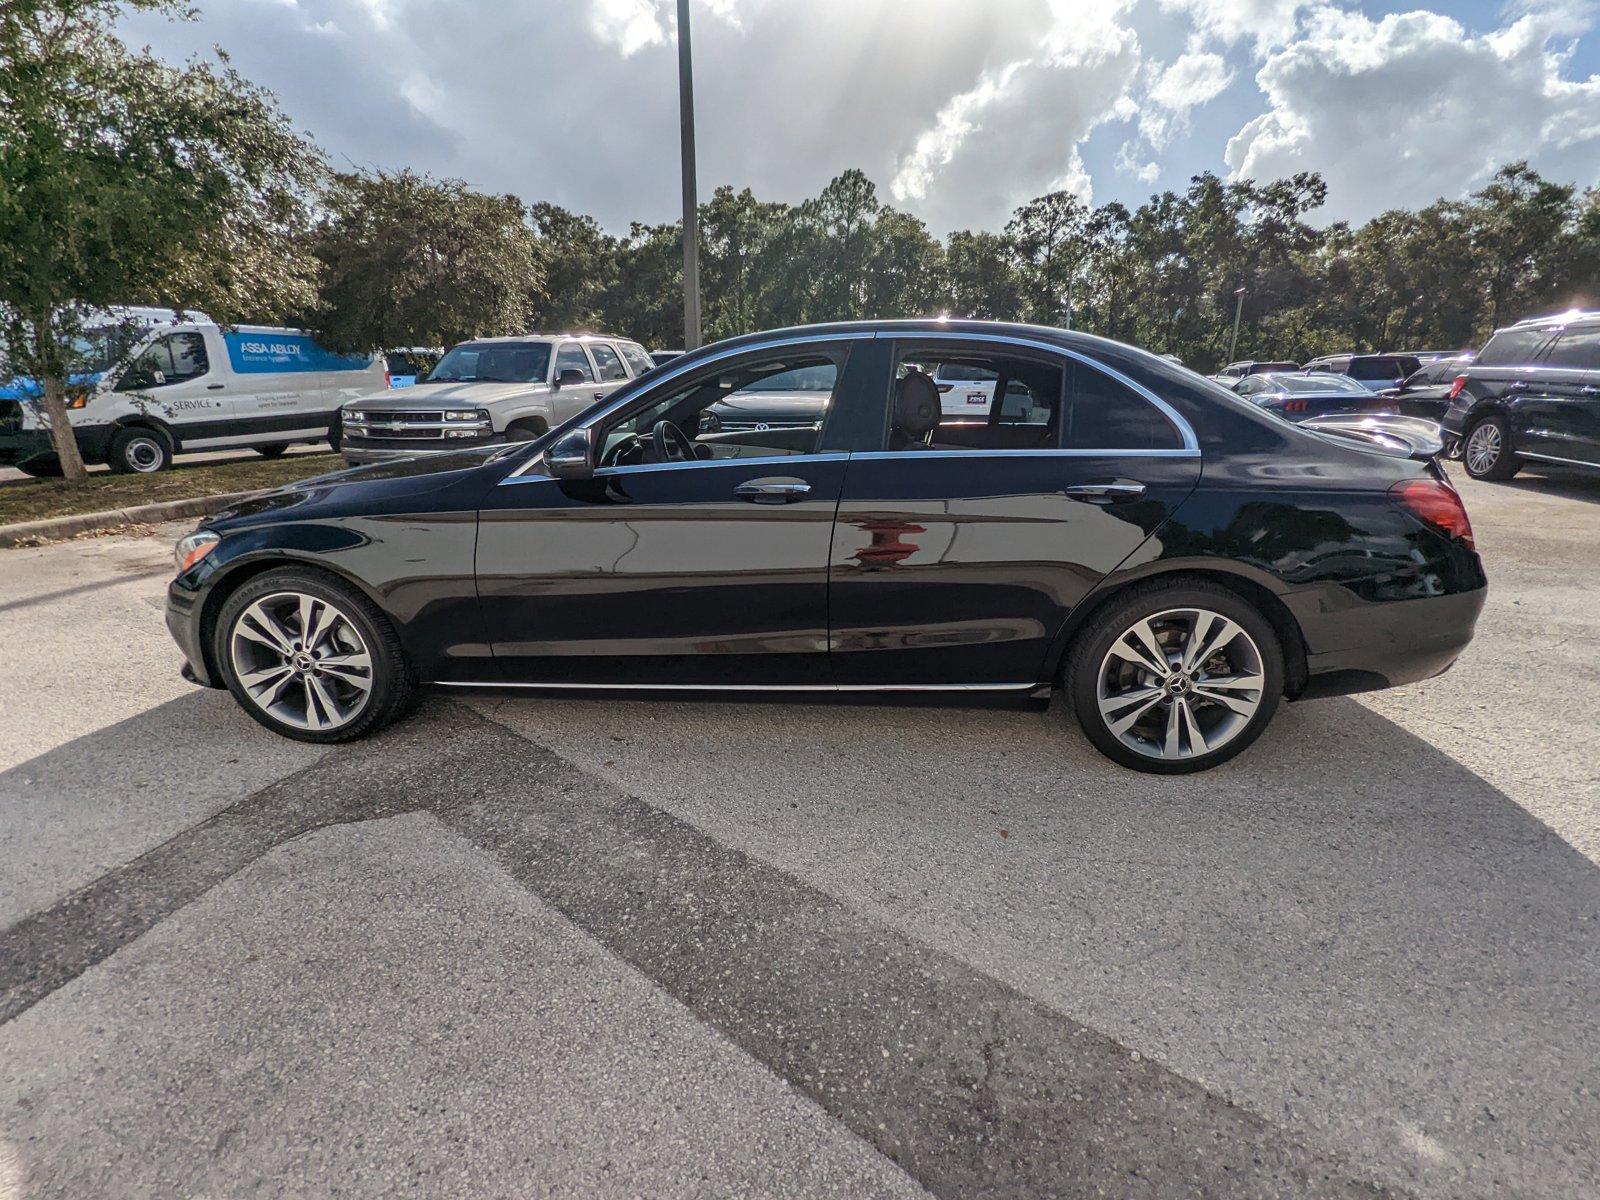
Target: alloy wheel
302, 660
1180, 683
1483, 448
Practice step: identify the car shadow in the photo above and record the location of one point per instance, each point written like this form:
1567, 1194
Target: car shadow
1573, 484
1344, 928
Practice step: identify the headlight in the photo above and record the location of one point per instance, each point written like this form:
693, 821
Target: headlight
353, 417
193, 548
709, 422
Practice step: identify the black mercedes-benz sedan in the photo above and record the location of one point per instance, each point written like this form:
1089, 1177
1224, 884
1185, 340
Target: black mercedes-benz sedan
1170, 556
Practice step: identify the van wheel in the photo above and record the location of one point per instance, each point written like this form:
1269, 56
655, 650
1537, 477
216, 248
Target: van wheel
139, 451
312, 658
1175, 677
1487, 454
271, 451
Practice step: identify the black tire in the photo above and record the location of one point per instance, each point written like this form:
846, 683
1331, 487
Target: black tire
335, 433
46, 466
272, 451
393, 681
526, 431
1493, 435
1093, 645
139, 450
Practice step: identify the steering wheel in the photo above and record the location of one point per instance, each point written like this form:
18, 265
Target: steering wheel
670, 444
613, 457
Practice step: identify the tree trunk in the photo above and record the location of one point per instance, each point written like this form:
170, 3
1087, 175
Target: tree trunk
61, 436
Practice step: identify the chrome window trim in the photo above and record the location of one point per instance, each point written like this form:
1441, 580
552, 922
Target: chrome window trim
752, 687
760, 461
672, 372
1046, 452
1185, 432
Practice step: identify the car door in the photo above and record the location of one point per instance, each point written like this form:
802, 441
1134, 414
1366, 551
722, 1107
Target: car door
660, 573
960, 550
1557, 414
176, 379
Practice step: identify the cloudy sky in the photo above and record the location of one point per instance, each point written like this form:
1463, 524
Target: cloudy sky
958, 109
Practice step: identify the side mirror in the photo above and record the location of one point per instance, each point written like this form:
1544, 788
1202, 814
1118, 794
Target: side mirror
569, 457
569, 377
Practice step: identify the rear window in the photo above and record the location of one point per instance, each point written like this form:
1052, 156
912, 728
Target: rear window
1267, 368
1377, 368
1578, 348
1513, 347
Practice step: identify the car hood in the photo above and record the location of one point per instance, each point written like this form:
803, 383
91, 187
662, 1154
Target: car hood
425, 396
771, 404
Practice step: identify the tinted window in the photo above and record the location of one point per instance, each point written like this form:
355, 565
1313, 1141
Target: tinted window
168, 360
637, 358
1512, 347
1027, 415
1578, 348
572, 358
494, 362
606, 359
1107, 415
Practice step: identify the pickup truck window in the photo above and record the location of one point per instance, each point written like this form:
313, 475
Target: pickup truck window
572, 358
637, 358
494, 362
606, 359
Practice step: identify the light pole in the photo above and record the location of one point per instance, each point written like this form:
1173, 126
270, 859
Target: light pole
1238, 311
691, 215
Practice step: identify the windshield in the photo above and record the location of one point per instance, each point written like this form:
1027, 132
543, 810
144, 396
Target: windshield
1313, 383
494, 362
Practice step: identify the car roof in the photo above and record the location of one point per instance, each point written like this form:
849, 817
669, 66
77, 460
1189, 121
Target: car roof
547, 337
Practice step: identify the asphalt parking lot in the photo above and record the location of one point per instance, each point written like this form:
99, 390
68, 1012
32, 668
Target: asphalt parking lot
629, 947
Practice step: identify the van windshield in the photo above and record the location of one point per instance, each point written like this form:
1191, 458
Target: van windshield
494, 362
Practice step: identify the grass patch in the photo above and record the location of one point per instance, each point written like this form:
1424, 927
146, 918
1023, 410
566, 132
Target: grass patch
40, 499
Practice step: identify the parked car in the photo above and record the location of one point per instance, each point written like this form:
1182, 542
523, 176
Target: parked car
408, 364
1532, 395
1372, 371
192, 385
1175, 558
1299, 397
491, 390
1426, 391
1427, 356
1238, 370
796, 399
662, 357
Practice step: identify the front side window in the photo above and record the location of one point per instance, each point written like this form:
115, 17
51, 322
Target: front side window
572, 358
493, 362
611, 368
765, 407
1577, 349
168, 360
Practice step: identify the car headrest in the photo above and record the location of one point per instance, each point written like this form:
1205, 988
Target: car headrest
916, 405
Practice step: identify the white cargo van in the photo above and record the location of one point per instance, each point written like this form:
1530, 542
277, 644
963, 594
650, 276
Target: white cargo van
191, 385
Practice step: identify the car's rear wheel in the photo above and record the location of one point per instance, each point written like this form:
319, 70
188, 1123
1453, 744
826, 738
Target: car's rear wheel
1174, 678
311, 658
1487, 453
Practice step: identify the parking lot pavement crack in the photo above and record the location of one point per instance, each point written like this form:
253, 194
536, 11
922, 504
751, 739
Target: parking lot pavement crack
969, 1086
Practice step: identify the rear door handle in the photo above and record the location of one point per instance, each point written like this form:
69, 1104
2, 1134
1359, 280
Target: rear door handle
777, 490
1105, 493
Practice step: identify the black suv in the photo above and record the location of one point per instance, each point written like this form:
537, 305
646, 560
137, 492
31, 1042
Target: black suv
1426, 392
1532, 395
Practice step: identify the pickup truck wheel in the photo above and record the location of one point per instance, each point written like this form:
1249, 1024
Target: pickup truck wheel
526, 431
271, 451
139, 451
1486, 452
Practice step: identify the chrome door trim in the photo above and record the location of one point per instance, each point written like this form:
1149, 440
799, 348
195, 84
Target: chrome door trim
764, 460
750, 687
670, 372
1574, 462
935, 455
1185, 431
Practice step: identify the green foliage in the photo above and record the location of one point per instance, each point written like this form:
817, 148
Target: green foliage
412, 261
126, 180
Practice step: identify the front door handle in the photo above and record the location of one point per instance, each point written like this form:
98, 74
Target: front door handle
1105, 493
777, 490
599, 395
214, 387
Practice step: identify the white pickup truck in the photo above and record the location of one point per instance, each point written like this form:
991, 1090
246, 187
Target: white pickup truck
488, 390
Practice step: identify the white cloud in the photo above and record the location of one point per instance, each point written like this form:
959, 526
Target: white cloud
1402, 110
1192, 80
629, 25
1129, 163
1266, 23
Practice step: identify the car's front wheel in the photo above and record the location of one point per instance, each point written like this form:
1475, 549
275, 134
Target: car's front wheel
311, 658
139, 451
1174, 678
1487, 452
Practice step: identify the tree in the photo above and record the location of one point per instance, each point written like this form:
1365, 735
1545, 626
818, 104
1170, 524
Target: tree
982, 277
738, 271
412, 261
578, 261
124, 180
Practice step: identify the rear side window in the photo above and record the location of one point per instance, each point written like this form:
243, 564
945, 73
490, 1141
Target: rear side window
637, 358
572, 358
1577, 348
987, 400
1513, 347
606, 359
1104, 414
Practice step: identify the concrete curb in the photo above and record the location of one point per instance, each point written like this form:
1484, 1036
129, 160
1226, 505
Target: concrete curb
55, 529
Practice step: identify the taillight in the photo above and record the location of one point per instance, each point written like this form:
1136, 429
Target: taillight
1297, 406
388, 381
1437, 505
1455, 388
